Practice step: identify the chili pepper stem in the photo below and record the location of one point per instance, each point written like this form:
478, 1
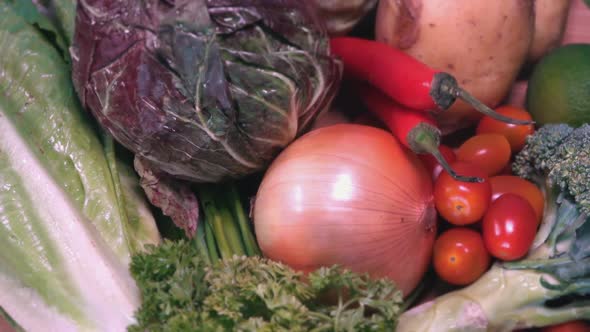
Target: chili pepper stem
425, 138
445, 90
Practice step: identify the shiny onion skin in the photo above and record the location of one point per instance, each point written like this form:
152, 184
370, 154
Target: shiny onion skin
351, 195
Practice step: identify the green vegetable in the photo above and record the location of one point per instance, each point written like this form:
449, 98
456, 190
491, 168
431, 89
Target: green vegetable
71, 211
558, 90
557, 158
549, 286
65, 11
183, 292
229, 230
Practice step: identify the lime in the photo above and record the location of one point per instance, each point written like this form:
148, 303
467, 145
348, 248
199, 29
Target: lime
559, 87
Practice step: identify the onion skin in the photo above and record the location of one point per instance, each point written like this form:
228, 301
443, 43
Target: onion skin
350, 195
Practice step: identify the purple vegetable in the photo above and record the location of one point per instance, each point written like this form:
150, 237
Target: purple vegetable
203, 90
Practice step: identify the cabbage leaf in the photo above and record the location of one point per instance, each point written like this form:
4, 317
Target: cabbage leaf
203, 90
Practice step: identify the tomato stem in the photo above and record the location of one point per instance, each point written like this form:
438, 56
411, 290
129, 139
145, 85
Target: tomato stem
425, 138
445, 90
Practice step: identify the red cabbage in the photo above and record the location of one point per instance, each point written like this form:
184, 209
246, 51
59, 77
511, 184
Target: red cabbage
203, 90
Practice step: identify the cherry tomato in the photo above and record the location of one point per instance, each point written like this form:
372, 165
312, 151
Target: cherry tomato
509, 227
460, 256
502, 184
432, 164
572, 326
462, 203
516, 134
490, 151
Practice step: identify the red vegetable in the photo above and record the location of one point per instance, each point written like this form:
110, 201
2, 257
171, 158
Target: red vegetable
516, 134
490, 151
350, 195
571, 326
432, 163
403, 78
460, 256
459, 202
509, 227
416, 130
502, 184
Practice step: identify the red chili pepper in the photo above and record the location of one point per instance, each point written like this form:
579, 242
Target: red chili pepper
415, 129
405, 79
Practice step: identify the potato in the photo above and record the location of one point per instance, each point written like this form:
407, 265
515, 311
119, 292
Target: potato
550, 21
482, 43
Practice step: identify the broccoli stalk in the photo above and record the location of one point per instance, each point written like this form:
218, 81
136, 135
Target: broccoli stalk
552, 283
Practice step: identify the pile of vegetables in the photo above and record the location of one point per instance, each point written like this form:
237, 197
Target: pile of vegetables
259, 165
228, 86
324, 201
485, 45
550, 283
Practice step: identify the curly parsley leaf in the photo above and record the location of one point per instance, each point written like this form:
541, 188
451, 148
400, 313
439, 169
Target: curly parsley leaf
181, 291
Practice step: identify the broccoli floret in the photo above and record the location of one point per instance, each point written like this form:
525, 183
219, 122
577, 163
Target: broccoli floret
558, 156
570, 166
535, 159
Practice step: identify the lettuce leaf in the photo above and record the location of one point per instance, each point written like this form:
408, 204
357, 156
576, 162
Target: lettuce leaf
71, 212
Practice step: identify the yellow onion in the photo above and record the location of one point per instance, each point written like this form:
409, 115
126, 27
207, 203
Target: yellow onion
350, 195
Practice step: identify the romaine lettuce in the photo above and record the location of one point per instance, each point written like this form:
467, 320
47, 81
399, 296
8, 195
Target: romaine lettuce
71, 213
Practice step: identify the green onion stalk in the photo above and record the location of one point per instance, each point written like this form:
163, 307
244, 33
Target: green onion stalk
224, 230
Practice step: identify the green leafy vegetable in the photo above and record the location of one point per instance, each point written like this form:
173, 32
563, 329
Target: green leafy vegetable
552, 284
32, 14
71, 212
39, 101
65, 12
181, 292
